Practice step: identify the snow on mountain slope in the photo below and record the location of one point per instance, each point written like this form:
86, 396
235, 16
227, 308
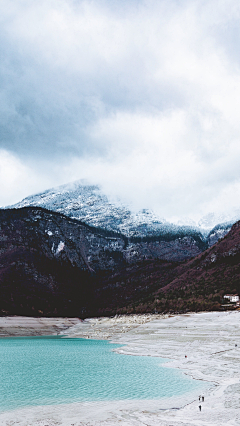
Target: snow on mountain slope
88, 204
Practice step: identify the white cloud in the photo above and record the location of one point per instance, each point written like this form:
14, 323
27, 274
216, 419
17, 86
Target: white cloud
143, 99
18, 180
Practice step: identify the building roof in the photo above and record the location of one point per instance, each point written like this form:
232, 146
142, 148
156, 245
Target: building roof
230, 295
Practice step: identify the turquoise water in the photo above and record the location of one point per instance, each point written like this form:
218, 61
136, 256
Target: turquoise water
53, 370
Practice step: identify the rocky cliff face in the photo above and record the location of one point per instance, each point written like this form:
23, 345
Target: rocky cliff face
195, 285
51, 264
218, 232
59, 238
217, 267
47, 262
200, 283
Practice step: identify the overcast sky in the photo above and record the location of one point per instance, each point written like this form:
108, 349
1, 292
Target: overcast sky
142, 97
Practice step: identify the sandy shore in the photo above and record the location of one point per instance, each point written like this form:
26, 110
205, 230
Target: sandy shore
207, 339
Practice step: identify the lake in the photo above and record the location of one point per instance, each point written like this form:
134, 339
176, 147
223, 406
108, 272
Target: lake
54, 370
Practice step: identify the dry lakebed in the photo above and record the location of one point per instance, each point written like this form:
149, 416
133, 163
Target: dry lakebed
205, 346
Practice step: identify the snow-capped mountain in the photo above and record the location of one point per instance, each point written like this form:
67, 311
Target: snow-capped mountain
212, 220
90, 205
87, 203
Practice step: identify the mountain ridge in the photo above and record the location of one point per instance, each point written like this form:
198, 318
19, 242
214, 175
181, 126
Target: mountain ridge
51, 264
90, 205
41, 249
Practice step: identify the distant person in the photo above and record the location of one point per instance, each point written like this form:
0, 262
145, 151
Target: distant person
202, 398
200, 407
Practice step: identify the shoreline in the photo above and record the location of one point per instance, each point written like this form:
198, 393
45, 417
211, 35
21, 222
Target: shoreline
13, 326
208, 340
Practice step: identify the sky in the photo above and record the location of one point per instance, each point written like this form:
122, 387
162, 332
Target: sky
141, 97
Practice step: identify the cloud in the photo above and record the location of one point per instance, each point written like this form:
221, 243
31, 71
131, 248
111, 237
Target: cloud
140, 96
17, 179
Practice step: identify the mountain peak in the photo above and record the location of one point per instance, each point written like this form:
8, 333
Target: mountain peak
85, 202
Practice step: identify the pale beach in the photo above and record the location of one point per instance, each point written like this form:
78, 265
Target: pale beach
205, 346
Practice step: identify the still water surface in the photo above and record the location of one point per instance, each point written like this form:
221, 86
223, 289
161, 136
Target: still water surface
54, 370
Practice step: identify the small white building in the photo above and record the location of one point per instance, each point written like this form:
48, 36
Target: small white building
233, 298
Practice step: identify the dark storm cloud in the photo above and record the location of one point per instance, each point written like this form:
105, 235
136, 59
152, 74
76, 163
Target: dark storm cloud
42, 111
52, 88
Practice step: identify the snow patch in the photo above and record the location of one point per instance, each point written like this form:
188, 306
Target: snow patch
60, 247
213, 258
